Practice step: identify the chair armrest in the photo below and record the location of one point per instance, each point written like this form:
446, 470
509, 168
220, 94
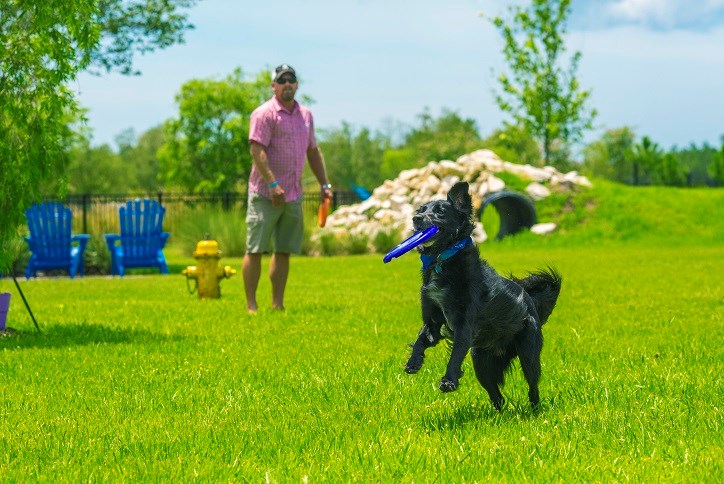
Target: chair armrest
164, 238
82, 240
111, 240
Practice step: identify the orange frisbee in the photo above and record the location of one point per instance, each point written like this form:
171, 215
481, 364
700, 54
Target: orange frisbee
323, 211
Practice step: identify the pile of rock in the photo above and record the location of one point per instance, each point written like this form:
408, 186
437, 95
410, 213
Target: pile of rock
392, 205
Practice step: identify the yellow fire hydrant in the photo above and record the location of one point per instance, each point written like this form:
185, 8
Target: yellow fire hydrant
207, 272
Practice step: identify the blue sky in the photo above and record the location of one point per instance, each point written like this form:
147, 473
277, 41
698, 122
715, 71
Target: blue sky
654, 65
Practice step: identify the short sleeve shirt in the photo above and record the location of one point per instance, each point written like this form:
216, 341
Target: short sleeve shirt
286, 135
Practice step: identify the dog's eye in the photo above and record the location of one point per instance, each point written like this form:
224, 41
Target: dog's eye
438, 209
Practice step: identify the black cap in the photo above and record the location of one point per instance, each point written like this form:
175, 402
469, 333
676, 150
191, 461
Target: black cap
283, 69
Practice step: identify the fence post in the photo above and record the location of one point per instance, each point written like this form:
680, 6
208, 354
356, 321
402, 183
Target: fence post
84, 201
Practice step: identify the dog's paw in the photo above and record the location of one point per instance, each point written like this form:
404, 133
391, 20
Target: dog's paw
447, 386
414, 364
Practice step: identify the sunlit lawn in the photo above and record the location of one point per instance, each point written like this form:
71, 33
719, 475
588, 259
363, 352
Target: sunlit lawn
135, 379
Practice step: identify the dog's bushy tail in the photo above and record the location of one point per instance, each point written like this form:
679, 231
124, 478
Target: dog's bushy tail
543, 286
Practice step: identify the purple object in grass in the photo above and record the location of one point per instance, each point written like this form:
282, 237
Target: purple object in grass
410, 243
4, 307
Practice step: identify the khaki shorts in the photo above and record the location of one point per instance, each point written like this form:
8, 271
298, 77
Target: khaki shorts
285, 224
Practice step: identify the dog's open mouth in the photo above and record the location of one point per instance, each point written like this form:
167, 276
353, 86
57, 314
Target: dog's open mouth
428, 243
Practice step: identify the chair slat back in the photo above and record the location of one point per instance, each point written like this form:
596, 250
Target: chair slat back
141, 227
50, 226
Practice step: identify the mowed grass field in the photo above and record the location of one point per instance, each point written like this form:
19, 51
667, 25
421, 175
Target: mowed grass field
134, 379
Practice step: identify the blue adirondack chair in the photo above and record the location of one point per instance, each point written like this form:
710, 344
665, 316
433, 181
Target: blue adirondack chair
51, 244
142, 238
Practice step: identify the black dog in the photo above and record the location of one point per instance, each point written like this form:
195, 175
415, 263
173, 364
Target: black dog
465, 300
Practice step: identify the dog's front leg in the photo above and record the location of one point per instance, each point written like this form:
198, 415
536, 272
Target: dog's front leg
462, 340
428, 336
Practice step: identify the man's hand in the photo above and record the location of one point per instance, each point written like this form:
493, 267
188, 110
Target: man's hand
277, 194
327, 193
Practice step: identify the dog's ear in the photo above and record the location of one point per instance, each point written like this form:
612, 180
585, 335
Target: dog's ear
459, 196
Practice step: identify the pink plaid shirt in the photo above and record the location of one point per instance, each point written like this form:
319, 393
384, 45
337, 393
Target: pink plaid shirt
286, 137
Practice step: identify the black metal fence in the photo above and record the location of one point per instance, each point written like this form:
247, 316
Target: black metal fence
98, 213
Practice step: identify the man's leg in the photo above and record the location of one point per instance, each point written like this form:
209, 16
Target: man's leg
287, 240
252, 272
278, 273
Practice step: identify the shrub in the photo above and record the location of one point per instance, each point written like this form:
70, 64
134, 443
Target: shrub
329, 244
385, 241
227, 227
358, 244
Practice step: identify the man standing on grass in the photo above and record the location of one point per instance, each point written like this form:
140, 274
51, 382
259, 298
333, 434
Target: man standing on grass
281, 135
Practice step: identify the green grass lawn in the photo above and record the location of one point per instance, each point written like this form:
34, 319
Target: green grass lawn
135, 379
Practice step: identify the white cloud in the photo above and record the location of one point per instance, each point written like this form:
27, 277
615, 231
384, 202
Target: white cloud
668, 14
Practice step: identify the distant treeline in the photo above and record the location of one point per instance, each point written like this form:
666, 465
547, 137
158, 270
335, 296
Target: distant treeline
359, 156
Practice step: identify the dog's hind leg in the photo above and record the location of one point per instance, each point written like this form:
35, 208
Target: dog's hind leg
529, 346
490, 371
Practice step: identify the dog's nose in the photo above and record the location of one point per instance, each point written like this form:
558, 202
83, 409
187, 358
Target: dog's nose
417, 218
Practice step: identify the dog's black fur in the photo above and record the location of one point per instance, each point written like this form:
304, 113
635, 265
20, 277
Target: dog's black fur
465, 300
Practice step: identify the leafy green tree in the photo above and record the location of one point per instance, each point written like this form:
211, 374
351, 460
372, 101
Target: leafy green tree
646, 157
353, 157
444, 138
43, 45
206, 147
669, 171
610, 157
368, 159
515, 144
538, 92
97, 169
697, 161
128, 27
716, 168
140, 157
395, 160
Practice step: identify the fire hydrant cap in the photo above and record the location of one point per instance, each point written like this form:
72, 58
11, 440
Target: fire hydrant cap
206, 248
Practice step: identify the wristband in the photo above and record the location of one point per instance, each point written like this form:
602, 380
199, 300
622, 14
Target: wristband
326, 186
274, 184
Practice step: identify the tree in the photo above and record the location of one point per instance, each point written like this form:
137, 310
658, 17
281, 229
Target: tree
669, 171
43, 45
515, 144
207, 147
88, 162
354, 157
140, 157
444, 138
716, 168
128, 27
610, 157
539, 93
646, 156
697, 161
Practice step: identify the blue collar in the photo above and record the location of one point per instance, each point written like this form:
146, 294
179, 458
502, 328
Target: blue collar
427, 261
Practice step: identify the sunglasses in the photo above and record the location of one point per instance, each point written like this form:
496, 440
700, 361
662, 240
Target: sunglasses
284, 80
